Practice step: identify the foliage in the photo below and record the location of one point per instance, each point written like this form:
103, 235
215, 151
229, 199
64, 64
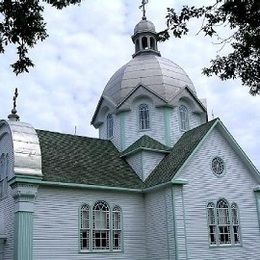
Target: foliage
242, 17
22, 24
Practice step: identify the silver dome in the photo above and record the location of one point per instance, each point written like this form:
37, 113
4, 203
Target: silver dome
161, 75
144, 26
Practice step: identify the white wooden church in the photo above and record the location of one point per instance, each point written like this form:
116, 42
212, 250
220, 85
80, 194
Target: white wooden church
161, 181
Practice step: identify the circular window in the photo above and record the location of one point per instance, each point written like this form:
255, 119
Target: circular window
217, 166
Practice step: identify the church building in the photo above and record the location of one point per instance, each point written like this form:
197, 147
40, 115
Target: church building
161, 182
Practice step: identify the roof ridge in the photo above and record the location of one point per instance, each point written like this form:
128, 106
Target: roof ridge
138, 144
72, 135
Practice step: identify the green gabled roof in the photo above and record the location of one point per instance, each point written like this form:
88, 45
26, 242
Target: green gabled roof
146, 143
169, 166
82, 160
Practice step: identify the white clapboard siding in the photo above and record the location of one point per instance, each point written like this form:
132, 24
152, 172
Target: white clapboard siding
56, 224
132, 131
194, 121
7, 203
236, 186
143, 162
159, 225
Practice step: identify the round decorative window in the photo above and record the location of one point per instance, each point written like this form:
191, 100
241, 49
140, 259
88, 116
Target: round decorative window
217, 166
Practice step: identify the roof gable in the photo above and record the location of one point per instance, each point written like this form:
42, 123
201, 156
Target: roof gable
169, 166
183, 150
146, 143
82, 160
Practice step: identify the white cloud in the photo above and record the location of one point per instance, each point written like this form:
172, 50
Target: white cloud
88, 43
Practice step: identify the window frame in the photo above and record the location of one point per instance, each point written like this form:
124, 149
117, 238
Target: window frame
4, 160
144, 121
110, 126
229, 224
184, 118
110, 231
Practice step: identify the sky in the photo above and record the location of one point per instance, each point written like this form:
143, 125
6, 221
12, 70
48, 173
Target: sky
89, 42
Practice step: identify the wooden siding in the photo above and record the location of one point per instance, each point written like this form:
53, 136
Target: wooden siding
156, 130
7, 203
160, 225
135, 161
116, 130
236, 186
150, 161
194, 121
56, 224
143, 162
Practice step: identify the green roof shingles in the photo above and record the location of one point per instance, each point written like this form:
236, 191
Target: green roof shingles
148, 143
82, 160
168, 167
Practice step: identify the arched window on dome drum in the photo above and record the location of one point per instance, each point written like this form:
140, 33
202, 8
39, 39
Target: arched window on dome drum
144, 120
3, 175
85, 227
101, 226
137, 45
184, 118
152, 43
117, 229
110, 126
144, 43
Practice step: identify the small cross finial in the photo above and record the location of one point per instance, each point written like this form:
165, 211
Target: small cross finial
142, 6
13, 115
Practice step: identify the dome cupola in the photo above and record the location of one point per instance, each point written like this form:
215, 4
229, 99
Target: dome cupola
145, 36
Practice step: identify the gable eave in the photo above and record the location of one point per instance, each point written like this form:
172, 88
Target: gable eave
135, 89
233, 144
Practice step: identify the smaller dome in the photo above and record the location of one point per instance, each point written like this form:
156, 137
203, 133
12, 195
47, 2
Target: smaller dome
144, 26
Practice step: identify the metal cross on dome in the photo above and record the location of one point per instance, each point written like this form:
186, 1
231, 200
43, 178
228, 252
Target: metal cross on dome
13, 115
142, 6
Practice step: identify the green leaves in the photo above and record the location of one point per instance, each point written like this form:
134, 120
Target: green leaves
239, 15
22, 25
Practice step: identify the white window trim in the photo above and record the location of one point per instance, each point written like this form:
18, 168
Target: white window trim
230, 225
184, 121
110, 126
4, 176
110, 230
144, 121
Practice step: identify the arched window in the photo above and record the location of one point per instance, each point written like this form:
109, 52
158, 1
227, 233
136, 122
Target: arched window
137, 45
3, 175
144, 43
117, 232
152, 43
110, 126
184, 118
235, 223
144, 120
85, 227
101, 226
223, 223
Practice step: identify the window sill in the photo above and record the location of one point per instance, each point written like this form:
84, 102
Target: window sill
225, 245
144, 130
100, 251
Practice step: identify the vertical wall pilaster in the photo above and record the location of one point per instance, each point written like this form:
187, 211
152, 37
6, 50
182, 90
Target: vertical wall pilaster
257, 194
24, 196
179, 223
122, 130
166, 115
